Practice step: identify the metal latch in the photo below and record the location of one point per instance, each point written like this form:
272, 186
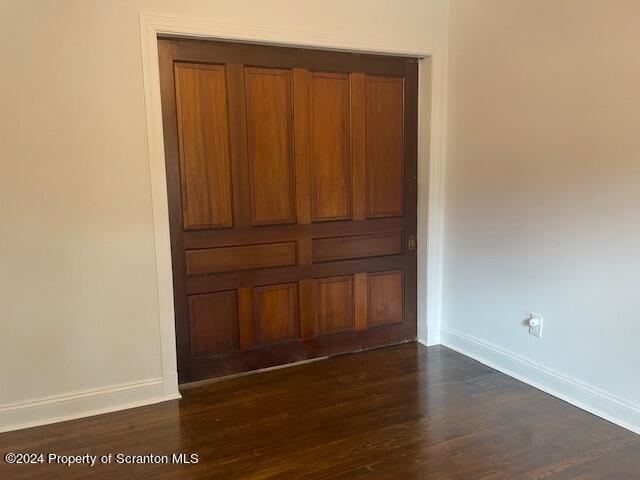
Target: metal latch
412, 242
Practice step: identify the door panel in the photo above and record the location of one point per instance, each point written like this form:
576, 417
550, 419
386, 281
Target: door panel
204, 145
245, 257
214, 323
276, 313
268, 94
333, 305
330, 159
384, 154
385, 298
356, 246
292, 195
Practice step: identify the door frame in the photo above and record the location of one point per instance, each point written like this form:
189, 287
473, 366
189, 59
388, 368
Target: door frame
431, 141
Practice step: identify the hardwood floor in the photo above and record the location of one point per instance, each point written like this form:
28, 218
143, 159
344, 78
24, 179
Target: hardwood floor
399, 412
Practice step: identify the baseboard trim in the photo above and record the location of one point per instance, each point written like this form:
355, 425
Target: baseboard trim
576, 392
86, 403
428, 342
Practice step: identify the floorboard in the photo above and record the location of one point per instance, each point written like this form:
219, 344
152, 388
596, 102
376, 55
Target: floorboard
400, 412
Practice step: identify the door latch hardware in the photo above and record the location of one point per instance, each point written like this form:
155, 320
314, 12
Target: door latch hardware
412, 242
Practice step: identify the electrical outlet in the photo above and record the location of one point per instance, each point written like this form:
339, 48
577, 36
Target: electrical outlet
535, 325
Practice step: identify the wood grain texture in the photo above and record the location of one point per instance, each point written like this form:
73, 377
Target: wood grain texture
266, 276
305, 251
307, 320
210, 51
297, 196
385, 146
268, 234
404, 412
302, 145
214, 323
203, 131
360, 294
356, 246
276, 313
330, 146
242, 257
238, 145
245, 318
333, 305
358, 145
385, 297
268, 100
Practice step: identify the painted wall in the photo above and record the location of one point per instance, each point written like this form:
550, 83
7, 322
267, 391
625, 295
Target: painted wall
77, 276
543, 193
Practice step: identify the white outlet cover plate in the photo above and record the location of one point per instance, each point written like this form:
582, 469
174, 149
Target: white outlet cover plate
536, 331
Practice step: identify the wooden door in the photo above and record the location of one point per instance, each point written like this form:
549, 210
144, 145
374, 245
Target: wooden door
291, 178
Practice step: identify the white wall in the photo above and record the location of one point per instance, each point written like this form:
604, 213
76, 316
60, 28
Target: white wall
79, 305
543, 194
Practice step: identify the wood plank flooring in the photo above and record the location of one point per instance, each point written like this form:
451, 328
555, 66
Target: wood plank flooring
400, 412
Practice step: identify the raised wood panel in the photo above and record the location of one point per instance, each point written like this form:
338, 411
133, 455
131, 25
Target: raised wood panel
242, 257
330, 146
268, 107
333, 305
356, 246
386, 298
203, 132
213, 323
385, 146
276, 313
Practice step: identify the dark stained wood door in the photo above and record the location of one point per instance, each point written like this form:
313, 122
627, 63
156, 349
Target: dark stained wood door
291, 178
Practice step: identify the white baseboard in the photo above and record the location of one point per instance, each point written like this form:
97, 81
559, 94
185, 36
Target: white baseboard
86, 403
428, 342
574, 391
